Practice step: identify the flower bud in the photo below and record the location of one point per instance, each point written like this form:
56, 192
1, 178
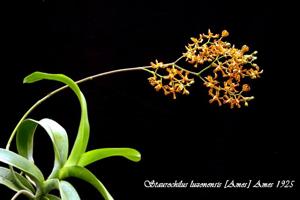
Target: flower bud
225, 33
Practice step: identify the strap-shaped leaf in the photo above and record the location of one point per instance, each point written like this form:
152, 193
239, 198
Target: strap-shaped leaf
50, 184
15, 160
98, 154
7, 179
84, 129
84, 174
56, 133
67, 191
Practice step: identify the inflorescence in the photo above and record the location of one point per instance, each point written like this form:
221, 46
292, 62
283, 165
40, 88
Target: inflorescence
223, 68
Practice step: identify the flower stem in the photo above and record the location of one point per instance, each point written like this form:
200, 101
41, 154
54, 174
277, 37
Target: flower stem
206, 68
178, 59
191, 72
89, 78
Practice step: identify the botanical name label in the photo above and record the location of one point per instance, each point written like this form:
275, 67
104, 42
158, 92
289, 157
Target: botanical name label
227, 184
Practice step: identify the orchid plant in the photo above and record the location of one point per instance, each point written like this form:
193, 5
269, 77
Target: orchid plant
219, 65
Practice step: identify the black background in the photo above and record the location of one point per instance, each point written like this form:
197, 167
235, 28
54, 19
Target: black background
187, 139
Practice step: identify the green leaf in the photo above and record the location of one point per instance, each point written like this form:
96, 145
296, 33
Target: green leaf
84, 174
7, 179
56, 133
50, 184
15, 160
52, 197
84, 130
67, 191
98, 154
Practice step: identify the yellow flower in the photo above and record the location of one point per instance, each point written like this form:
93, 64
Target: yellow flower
254, 73
185, 92
152, 80
210, 35
158, 86
195, 40
215, 96
157, 64
232, 101
210, 82
245, 88
229, 86
225, 33
169, 90
245, 48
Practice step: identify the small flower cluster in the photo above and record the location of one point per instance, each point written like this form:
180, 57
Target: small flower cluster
229, 66
198, 52
174, 81
225, 66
